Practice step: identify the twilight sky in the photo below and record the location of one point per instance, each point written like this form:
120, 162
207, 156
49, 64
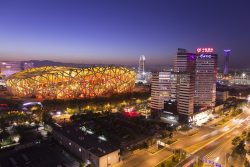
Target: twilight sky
119, 31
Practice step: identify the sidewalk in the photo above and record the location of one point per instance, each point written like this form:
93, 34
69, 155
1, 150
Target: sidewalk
214, 121
189, 132
154, 149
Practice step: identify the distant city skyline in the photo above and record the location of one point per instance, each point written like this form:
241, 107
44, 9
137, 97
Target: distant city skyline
119, 32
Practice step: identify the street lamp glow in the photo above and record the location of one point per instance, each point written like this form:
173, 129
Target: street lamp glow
243, 75
58, 113
248, 98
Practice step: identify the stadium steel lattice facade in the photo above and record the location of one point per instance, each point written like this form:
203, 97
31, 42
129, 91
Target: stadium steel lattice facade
67, 82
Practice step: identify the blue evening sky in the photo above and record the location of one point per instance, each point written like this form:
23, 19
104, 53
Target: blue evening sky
119, 31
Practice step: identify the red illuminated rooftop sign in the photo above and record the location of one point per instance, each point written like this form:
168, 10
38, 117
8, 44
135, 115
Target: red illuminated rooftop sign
3, 105
205, 50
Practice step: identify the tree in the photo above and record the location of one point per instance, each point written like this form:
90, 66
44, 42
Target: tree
170, 135
236, 141
46, 117
248, 137
240, 148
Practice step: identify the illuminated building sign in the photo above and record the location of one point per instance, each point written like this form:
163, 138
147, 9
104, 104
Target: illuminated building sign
191, 57
205, 50
211, 162
202, 56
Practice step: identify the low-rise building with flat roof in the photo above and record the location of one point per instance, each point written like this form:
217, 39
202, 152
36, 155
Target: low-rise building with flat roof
86, 145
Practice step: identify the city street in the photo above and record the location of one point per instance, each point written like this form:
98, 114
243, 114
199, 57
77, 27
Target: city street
217, 148
210, 142
144, 158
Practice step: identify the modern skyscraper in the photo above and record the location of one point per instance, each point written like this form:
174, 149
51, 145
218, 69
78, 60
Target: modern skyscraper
142, 76
185, 97
226, 61
141, 69
185, 62
196, 81
163, 87
205, 80
185, 70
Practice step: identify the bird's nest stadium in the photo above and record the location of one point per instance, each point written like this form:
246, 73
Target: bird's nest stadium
67, 82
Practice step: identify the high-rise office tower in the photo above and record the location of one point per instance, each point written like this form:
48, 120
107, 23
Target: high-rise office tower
141, 68
185, 69
205, 80
185, 97
163, 87
226, 61
185, 62
197, 72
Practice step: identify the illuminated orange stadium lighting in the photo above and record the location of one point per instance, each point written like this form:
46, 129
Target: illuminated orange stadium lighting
67, 82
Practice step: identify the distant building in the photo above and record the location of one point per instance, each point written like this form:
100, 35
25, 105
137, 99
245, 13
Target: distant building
142, 76
2, 82
87, 146
237, 79
226, 62
240, 79
27, 65
146, 79
222, 96
8, 68
163, 87
141, 68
